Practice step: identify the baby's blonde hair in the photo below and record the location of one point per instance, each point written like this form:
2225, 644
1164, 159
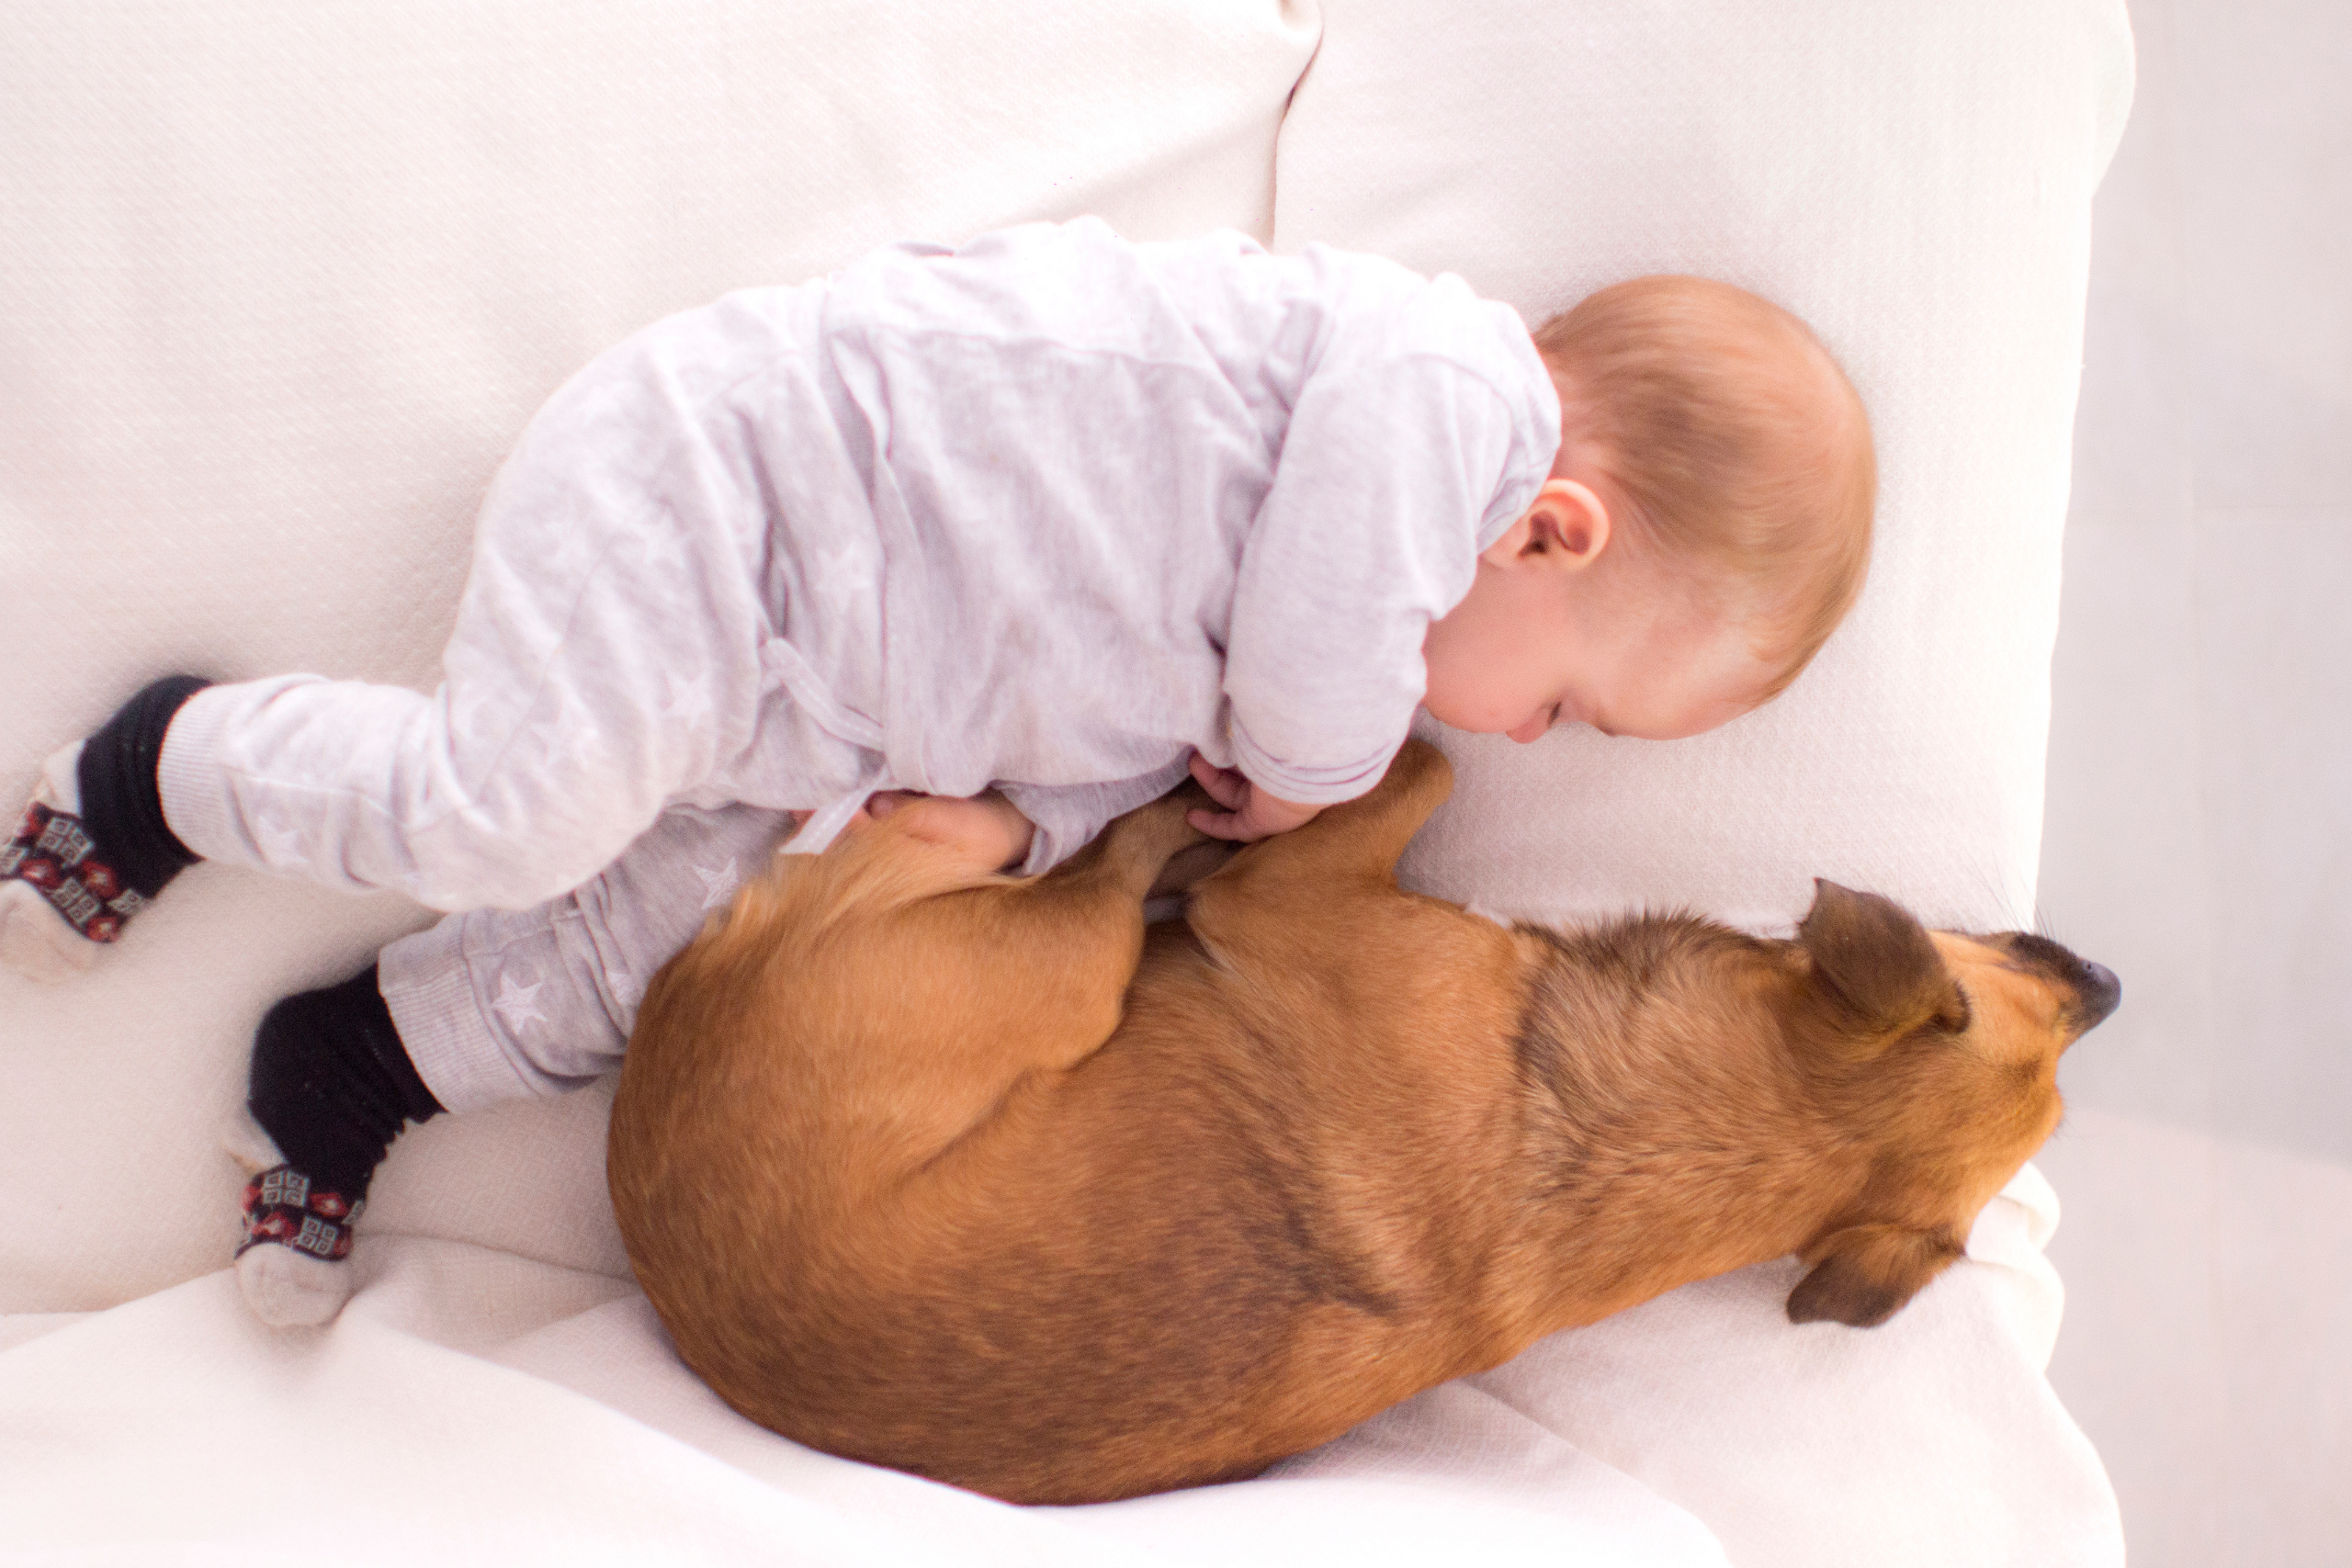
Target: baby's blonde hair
1724, 433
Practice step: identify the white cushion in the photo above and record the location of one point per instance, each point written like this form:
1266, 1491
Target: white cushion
1915, 182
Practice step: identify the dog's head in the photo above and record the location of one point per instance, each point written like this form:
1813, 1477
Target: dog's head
1938, 1052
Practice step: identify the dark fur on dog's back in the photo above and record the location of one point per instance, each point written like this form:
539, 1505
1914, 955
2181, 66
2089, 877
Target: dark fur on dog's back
970, 1177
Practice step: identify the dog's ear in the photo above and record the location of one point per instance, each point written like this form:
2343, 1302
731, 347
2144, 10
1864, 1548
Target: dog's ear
1863, 1274
1876, 976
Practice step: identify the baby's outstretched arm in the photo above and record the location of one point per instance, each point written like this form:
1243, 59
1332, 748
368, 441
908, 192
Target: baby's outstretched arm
1249, 813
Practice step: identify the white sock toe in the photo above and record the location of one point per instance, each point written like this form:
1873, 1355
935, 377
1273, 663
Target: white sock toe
36, 941
61, 779
253, 1150
287, 1288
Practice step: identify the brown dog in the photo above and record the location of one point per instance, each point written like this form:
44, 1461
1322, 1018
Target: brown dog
982, 1179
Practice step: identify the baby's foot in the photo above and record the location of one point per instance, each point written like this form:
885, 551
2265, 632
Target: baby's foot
290, 1267
330, 1088
57, 899
986, 827
92, 847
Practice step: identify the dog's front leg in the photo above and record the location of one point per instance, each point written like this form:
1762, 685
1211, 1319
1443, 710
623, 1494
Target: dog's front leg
1296, 877
1294, 901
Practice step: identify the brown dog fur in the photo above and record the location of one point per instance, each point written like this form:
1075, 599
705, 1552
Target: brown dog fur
980, 1178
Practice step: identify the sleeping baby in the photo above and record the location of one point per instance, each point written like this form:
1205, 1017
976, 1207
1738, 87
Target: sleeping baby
1046, 522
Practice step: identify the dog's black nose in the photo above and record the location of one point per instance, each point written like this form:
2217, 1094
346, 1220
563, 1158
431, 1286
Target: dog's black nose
2098, 994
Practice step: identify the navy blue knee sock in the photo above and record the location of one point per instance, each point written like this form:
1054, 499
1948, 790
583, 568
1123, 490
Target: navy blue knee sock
332, 1084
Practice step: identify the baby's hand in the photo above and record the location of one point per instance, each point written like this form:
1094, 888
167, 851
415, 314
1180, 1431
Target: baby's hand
1249, 813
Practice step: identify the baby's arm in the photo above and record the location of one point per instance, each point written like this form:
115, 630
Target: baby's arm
1249, 813
1390, 476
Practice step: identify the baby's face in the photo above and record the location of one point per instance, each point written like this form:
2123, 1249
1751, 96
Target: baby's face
1523, 653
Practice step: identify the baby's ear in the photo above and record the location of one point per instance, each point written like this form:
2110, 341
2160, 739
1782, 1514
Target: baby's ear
1863, 1274
1876, 976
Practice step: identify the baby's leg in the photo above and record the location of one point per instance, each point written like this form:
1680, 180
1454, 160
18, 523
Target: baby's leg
484, 1006
496, 1004
607, 656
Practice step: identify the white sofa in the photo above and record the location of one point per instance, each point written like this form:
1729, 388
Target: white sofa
279, 284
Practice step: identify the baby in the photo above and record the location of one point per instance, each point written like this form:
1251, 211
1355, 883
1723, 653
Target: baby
1051, 517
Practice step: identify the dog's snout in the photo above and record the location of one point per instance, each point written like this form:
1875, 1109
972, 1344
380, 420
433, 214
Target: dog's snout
2098, 994
2097, 990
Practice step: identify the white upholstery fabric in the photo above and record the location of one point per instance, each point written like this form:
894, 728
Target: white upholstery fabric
1913, 181
278, 286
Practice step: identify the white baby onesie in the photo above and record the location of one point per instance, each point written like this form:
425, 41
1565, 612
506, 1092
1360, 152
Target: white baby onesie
1047, 511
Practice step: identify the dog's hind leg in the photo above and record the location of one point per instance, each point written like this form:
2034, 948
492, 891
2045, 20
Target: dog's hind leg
1318, 905
872, 1007
1047, 961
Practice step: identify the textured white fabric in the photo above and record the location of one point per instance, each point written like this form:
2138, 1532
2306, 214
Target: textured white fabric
482, 1410
1050, 508
278, 289
518, 1382
1915, 182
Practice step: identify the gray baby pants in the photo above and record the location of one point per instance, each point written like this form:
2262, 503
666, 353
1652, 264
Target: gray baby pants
496, 1004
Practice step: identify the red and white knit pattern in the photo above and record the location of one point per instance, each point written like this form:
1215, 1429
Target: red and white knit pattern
285, 1206
53, 851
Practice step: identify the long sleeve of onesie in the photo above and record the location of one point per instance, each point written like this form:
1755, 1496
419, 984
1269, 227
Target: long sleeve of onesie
1385, 492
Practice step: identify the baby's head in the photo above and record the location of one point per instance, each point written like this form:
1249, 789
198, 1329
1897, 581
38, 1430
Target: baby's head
1706, 527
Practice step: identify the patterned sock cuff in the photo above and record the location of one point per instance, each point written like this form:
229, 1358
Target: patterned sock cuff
55, 853
284, 1206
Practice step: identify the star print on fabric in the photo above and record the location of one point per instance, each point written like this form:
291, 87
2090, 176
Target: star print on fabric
716, 885
568, 732
689, 700
464, 718
281, 842
575, 542
628, 989
842, 573
660, 545
517, 1004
